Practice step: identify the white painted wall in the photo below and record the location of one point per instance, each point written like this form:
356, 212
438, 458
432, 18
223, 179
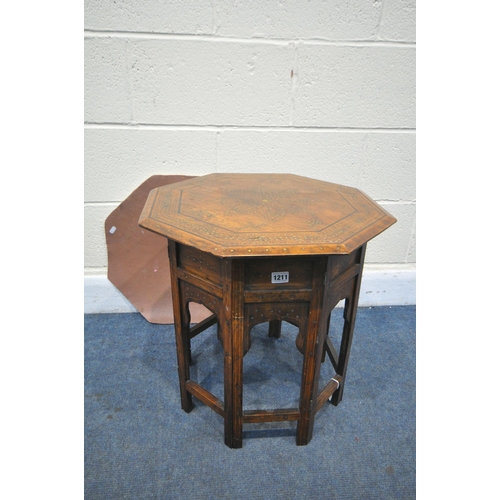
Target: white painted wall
324, 89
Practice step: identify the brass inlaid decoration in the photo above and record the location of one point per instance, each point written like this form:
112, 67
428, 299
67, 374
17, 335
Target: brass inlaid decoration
264, 214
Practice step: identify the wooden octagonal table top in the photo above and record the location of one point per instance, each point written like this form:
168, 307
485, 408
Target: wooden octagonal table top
236, 215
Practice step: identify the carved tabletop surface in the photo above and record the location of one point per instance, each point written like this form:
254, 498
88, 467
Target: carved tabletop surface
235, 215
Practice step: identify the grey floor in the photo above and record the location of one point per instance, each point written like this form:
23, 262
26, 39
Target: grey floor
139, 444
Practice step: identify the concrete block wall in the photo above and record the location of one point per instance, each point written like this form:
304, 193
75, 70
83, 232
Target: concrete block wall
319, 88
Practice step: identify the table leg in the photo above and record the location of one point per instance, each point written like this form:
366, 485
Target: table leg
315, 338
345, 348
232, 330
182, 333
275, 328
350, 310
327, 331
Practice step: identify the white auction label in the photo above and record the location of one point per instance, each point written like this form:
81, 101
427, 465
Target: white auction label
280, 277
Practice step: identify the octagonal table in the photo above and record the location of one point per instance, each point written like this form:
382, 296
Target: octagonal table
256, 248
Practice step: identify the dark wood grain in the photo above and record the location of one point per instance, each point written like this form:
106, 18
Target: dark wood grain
182, 330
313, 350
238, 215
281, 415
223, 235
327, 392
205, 396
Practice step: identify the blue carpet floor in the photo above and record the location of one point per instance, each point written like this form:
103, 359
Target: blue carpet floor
139, 444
